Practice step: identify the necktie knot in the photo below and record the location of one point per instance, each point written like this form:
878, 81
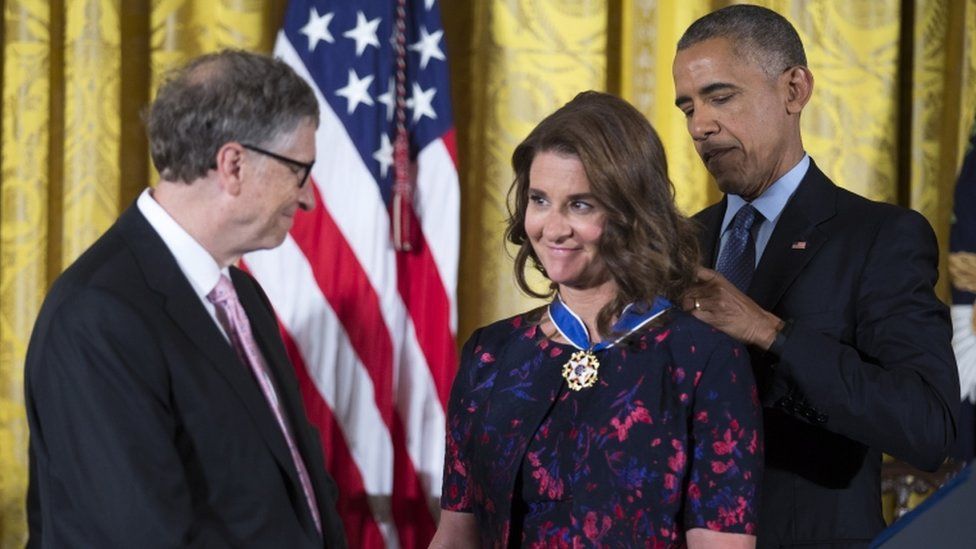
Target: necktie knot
745, 218
223, 291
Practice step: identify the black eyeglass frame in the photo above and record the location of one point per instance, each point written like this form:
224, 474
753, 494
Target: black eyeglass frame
307, 167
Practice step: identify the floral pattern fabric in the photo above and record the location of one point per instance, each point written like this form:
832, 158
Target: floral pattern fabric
667, 440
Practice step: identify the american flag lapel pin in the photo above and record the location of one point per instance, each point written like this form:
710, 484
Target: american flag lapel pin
799, 245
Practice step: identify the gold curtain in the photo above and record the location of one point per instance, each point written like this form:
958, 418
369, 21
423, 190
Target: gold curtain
894, 99
76, 74
649, 31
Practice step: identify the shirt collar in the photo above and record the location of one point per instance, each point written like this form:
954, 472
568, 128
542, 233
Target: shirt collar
773, 200
199, 267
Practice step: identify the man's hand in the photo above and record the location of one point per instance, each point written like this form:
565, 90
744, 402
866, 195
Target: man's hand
716, 301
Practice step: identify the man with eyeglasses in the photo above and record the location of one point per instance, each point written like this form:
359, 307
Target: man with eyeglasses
162, 407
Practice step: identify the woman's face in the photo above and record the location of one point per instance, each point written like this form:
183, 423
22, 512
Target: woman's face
564, 221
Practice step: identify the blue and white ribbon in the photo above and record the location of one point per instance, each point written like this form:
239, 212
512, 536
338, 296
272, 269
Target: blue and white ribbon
573, 329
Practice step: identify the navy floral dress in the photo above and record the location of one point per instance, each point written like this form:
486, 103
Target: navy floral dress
667, 440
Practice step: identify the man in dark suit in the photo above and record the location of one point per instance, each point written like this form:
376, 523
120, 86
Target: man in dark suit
832, 292
162, 407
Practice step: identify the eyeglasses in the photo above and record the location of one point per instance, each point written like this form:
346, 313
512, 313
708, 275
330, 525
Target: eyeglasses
301, 169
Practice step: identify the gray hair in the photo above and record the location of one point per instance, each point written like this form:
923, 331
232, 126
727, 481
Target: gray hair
221, 97
760, 33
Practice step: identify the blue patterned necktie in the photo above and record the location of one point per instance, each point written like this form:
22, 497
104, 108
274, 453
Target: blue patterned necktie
737, 261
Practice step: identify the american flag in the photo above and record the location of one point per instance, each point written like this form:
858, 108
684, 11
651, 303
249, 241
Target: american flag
371, 329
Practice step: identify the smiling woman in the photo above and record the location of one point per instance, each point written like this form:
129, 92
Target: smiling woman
564, 221
602, 147
609, 416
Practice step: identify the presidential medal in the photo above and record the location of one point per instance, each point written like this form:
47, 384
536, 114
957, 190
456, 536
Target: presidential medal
581, 370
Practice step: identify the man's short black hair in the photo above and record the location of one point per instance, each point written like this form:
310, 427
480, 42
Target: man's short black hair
758, 33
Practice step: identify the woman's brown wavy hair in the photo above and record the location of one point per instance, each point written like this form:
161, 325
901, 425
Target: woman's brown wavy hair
649, 248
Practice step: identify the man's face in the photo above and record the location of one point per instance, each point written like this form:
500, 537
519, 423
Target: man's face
736, 115
272, 194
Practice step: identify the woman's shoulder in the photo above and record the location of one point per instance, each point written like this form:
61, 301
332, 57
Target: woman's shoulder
700, 351
490, 346
501, 332
682, 330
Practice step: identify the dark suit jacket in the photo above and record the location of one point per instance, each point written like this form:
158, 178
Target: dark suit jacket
146, 429
867, 366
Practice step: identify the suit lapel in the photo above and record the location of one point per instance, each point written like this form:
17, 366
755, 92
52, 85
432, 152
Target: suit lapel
265, 333
163, 275
710, 222
796, 239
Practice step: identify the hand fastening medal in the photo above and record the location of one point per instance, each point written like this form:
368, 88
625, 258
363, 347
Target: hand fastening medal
583, 367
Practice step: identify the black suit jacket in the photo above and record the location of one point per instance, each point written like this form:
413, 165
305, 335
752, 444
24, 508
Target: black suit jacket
867, 366
146, 429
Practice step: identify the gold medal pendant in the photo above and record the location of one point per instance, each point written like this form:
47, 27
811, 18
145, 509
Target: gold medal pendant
581, 370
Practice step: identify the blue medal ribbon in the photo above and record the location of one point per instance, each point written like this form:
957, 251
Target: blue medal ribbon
574, 329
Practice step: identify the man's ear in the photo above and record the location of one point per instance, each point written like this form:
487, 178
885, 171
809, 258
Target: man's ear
230, 167
799, 87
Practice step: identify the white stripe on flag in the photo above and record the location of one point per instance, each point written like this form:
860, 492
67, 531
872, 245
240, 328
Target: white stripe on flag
333, 366
423, 417
438, 207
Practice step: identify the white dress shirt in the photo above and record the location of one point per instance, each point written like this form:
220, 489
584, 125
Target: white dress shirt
198, 266
770, 203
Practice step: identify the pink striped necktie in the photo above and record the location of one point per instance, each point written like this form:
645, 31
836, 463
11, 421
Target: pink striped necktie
234, 320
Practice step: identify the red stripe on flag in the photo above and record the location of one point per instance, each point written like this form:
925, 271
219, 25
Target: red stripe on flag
450, 143
426, 301
353, 504
348, 290
350, 294
415, 524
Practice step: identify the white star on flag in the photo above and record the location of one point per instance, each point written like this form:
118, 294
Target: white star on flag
364, 33
389, 99
317, 28
427, 46
421, 103
356, 91
384, 155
